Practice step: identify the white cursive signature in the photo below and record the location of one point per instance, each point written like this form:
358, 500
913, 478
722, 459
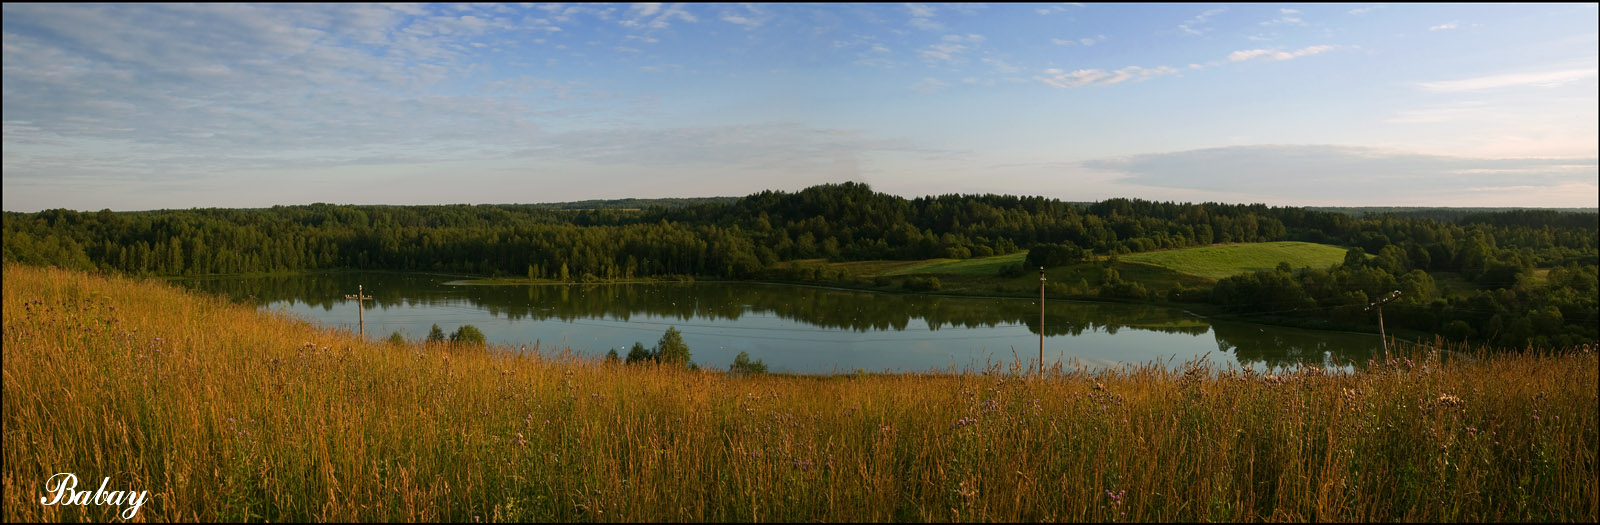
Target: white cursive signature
64, 486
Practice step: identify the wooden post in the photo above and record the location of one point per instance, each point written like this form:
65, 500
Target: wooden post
1378, 305
361, 313
1041, 320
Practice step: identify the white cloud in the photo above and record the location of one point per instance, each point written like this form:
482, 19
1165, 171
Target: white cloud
1100, 77
922, 17
1270, 54
645, 8
1285, 17
1192, 26
1444, 26
951, 48
1527, 79
1085, 41
751, 17
655, 16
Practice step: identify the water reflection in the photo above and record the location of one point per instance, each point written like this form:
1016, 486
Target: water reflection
753, 316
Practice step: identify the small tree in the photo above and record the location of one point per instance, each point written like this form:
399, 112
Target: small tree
639, 354
671, 350
611, 357
397, 339
468, 335
743, 366
436, 335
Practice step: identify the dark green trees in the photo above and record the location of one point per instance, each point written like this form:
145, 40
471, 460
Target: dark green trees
742, 365
670, 350
467, 335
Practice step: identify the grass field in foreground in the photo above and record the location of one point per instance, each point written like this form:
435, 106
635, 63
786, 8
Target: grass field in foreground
1217, 262
225, 413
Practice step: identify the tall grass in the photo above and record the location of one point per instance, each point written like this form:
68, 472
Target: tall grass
225, 413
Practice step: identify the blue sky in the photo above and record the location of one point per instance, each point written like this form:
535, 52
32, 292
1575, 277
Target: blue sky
133, 107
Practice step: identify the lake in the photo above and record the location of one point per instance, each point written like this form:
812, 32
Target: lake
798, 329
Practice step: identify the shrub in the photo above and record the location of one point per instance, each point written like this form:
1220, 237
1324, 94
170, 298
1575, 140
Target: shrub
742, 365
468, 335
921, 284
638, 354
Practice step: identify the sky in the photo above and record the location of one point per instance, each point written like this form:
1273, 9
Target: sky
137, 107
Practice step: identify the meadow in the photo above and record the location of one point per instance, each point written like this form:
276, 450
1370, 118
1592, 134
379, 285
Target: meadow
1227, 260
225, 413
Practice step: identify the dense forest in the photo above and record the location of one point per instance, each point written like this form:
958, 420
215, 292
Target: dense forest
1520, 276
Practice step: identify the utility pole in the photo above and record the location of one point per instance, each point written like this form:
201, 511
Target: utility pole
361, 313
1041, 320
1378, 305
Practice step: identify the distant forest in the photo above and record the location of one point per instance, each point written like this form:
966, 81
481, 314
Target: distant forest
1530, 274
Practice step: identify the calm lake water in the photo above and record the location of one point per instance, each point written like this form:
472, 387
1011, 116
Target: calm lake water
792, 328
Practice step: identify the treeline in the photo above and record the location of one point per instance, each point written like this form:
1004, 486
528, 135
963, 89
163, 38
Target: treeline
1498, 253
740, 238
1510, 307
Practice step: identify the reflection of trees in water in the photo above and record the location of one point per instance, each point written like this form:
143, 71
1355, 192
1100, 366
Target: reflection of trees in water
1277, 348
827, 308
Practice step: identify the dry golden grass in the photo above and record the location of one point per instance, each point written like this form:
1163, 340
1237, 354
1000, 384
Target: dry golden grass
229, 414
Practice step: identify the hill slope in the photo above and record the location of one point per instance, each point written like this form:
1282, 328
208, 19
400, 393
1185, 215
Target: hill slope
1221, 261
224, 413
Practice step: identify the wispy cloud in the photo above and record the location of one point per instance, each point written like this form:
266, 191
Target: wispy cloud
750, 16
922, 17
1194, 26
655, 16
1507, 80
951, 48
1085, 41
1101, 77
1445, 26
1272, 54
1285, 17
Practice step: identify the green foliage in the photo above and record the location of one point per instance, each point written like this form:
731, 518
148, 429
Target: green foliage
1050, 255
921, 284
671, 350
468, 335
435, 335
639, 354
1499, 257
742, 365
611, 357
397, 339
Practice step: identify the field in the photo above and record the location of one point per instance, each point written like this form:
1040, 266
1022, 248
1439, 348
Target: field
1217, 262
980, 266
225, 413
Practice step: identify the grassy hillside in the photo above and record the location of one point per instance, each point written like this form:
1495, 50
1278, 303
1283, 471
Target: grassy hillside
979, 266
228, 414
1221, 261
